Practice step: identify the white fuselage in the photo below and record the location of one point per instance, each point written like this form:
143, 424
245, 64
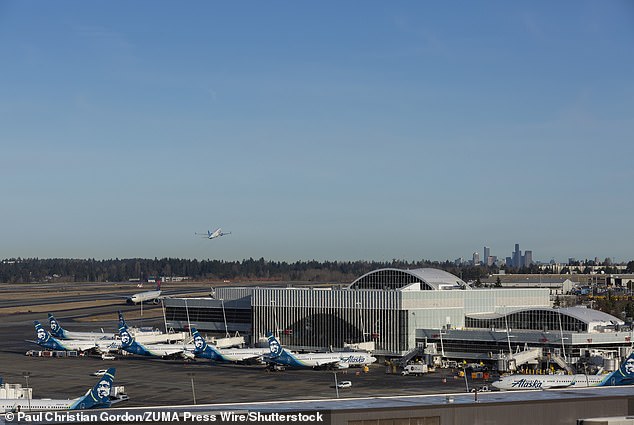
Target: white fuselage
143, 297
151, 338
88, 336
25, 405
340, 359
543, 382
242, 354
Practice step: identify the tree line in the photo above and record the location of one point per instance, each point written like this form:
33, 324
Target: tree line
28, 270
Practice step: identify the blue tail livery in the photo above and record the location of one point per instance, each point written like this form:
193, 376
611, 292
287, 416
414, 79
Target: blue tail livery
99, 395
624, 375
56, 328
204, 350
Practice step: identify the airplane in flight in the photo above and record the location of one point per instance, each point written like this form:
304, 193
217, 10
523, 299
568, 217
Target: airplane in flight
339, 360
147, 296
129, 344
46, 340
60, 333
624, 375
213, 235
97, 397
206, 351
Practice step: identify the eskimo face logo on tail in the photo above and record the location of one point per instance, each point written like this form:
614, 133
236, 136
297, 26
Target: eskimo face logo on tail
199, 342
41, 334
629, 366
126, 338
103, 389
53, 325
274, 346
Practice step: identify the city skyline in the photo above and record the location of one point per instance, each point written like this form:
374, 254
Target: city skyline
321, 131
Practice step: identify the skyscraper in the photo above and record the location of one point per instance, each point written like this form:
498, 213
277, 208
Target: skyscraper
486, 255
517, 256
476, 259
528, 258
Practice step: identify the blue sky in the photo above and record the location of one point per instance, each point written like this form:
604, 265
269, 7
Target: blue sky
316, 130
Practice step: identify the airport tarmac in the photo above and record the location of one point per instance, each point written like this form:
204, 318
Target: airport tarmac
152, 382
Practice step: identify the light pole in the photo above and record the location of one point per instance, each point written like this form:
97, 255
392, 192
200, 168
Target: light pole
189, 325
224, 316
336, 385
275, 317
361, 320
191, 376
561, 333
28, 393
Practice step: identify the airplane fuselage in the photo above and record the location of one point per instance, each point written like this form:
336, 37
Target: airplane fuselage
143, 297
544, 382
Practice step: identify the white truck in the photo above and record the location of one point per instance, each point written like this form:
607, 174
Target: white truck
415, 369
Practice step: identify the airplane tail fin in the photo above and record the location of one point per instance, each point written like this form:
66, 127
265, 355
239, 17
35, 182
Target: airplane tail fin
202, 348
122, 323
45, 339
199, 342
126, 338
56, 328
43, 335
274, 345
99, 395
624, 375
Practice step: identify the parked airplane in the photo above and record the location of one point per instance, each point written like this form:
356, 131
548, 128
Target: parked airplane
97, 397
213, 235
206, 351
58, 332
340, 360
154, 350
153, 337
147, 296
46, 340
624, 375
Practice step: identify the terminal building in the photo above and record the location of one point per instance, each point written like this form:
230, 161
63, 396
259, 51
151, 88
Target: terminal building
399, 310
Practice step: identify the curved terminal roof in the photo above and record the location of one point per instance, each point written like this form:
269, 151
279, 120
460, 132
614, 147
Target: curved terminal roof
583, 314
575, 319
425, 279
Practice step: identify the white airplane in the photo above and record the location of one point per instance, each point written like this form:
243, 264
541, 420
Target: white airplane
206, 351
59, 332
624, 375
153, 337
46, 340
151, 350
340, 360
213, 235
147, 296
96, 397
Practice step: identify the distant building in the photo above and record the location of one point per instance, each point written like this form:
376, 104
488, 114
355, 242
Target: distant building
400, 310
528, 258
486, 254
476, 259
517, 256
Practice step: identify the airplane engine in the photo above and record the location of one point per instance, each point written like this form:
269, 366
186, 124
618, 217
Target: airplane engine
343, 365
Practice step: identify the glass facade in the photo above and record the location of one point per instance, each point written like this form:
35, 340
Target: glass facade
388, 279
533, 319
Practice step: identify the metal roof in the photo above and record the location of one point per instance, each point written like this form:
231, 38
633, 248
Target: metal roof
436, 279
583, 314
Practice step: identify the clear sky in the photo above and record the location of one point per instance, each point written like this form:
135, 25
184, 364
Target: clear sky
316, 130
